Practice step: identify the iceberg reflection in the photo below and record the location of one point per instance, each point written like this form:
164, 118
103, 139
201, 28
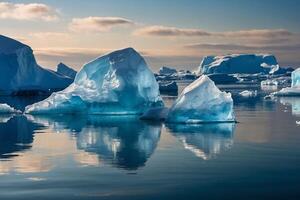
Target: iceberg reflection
294, 102
122, 141
16, 135
204, 140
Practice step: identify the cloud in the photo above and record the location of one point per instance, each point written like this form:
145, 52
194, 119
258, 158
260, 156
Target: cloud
256, 33
31, 11
165, 31
97, 24
241, 47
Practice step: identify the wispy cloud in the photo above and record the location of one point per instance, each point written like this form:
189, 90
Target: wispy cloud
97, 24
241, 47
31, 11
165, 31
169, 31
256, 33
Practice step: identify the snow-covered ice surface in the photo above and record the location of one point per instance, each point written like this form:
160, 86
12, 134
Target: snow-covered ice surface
20, 72
202, 102
239, 63
117, 83
294, 90
6, 109
66, 70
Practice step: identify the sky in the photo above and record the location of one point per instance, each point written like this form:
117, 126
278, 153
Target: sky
174, 33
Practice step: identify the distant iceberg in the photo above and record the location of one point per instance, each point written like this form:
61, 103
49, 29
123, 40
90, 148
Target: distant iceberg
201, 102
117, 83
167, 71
20, 73
239, 64
66, 71
294, 90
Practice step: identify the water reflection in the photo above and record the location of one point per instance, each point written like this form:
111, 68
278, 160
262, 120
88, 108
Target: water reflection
204, 140
294, 102
16, 134
124, 142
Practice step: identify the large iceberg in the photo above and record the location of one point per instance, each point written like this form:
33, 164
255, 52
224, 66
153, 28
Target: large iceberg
117, 83
20, 72
201, 102
239, 64
294, 90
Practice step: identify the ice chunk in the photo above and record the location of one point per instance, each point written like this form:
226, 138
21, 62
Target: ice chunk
248, 93
202, 101
66, 71
117, 83
294, 90
269, 82
296, 78
6, 109
239, 63
20, 72
167, 71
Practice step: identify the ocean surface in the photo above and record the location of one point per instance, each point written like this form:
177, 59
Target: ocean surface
92, 157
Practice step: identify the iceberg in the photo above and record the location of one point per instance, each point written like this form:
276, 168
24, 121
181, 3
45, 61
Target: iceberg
66, 71
20, 74
6, 109
294, 90
167, 71
239, 64
117, 83
201, 102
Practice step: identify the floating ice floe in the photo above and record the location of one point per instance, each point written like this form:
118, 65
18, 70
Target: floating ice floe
117, 83
201, 102
248, 93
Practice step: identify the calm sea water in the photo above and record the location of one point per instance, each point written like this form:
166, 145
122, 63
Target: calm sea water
92, 157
